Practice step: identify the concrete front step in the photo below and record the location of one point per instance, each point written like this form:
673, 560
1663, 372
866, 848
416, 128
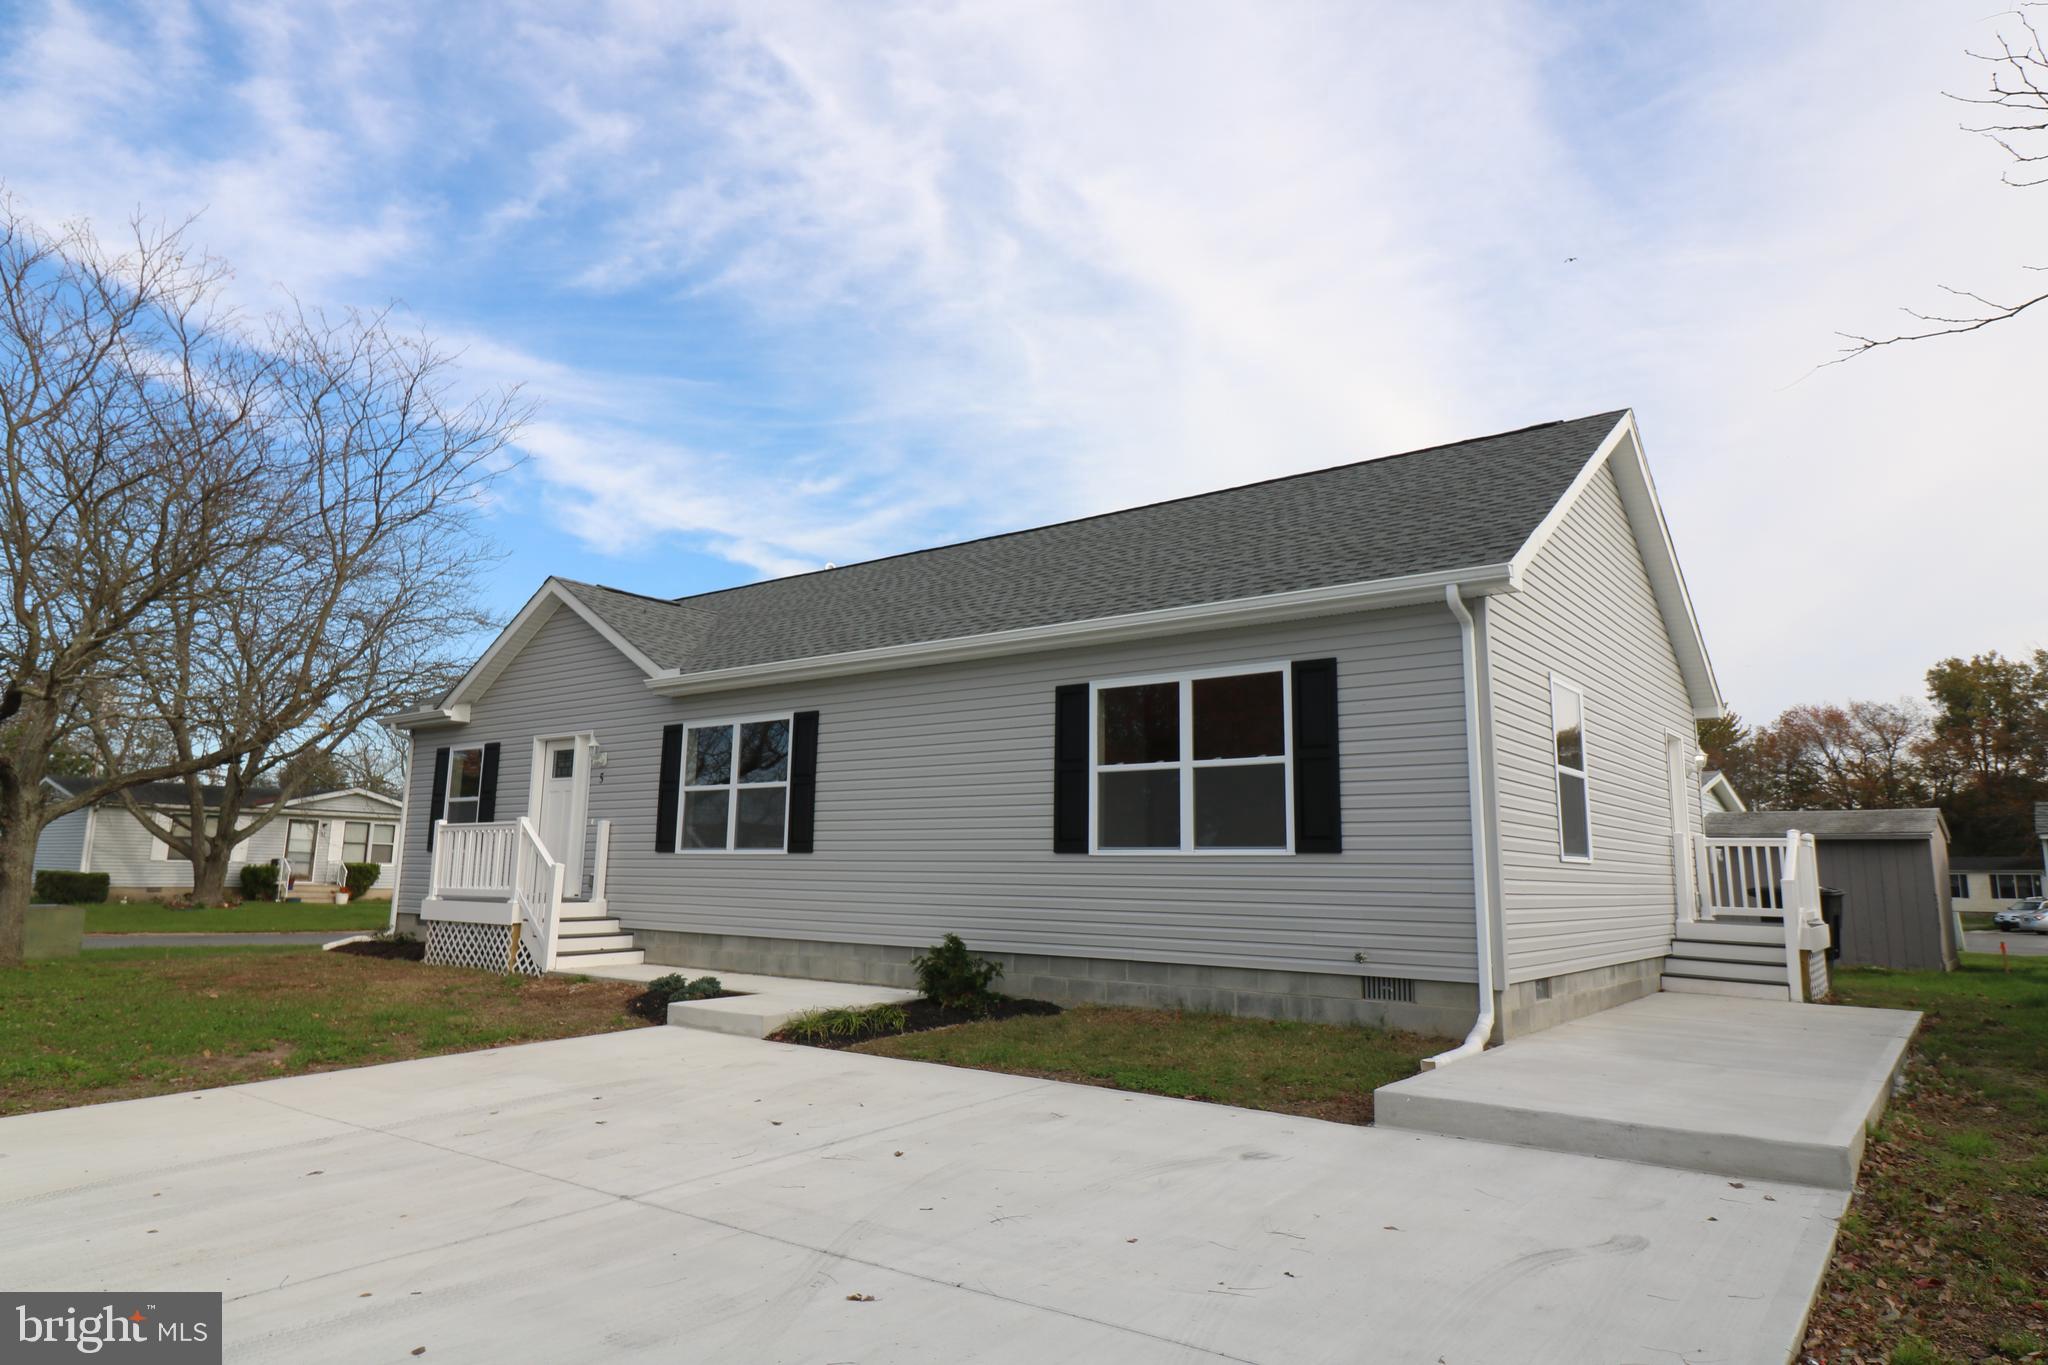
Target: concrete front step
1741, 1088
568, 961
762, 1004
1745, 990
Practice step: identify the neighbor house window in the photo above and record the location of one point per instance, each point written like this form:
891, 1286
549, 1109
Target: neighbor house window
465, 786
1574, 802
1959, 885
736, 787
367, 841
181, 825
1195, 763
2014, 886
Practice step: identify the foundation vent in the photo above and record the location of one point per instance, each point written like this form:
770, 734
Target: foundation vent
1396, 990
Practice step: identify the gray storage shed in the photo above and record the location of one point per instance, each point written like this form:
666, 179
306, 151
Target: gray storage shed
1890, 865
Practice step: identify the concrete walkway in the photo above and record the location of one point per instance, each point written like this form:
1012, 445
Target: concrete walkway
761, 1005
1751, 1088
668, 1194
310, 939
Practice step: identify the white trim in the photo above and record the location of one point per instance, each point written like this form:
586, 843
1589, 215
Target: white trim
1283, 606
1186, 764
1584, 772
1653, 542
298, 801
579, 808
432, 715
732, 786
448, 786
1719, 781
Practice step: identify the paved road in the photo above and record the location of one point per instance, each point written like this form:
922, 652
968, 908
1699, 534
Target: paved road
213, 940
667, 1193
2018, 945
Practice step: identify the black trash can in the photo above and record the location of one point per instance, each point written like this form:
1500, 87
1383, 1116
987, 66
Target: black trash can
1831, 915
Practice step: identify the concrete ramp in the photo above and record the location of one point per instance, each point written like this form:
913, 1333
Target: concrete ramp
1754, 1089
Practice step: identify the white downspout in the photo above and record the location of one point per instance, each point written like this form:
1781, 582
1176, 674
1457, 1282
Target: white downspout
1482, 879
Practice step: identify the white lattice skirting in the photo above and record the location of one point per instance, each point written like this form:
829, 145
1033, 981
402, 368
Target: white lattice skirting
452, 943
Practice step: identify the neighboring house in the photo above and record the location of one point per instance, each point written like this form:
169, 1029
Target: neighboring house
1988, 884
1717, 793
1893, 870
318, 831
1410, 740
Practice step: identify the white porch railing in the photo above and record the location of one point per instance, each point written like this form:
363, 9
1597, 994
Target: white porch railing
502, 863
1766, 879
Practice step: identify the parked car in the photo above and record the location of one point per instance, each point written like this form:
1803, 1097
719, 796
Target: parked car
2010, 917
2033, 922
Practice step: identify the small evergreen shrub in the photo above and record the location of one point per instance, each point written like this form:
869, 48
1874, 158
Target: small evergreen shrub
664, 991
71, 888
259, 881
950, 976
360, 878
846, 1024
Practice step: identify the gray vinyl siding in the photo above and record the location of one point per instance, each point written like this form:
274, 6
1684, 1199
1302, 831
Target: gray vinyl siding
62, 843
1895, 910
934, 807
1587, 613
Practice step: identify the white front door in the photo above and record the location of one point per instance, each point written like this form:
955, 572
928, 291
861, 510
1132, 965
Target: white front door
561, 784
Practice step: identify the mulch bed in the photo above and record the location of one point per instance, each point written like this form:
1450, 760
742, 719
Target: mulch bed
921, 1015
401, 951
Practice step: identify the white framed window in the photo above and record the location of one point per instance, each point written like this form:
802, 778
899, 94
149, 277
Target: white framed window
465, 786
1568, 751
2015, 886
367, 841
736, 786
1196, 762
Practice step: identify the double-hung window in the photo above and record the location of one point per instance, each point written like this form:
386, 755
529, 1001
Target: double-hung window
465, 786
367, 841
1194, 763
1574, 800
1959, 885
736, 786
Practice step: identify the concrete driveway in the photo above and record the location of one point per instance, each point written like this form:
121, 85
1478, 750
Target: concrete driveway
667, 1194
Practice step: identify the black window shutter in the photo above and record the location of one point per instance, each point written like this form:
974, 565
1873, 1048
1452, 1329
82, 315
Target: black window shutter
487, 787
669, 793
1070, 768
1318, 817
434, 811
803, 782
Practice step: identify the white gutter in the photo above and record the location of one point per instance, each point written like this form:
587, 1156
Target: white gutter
1482, 880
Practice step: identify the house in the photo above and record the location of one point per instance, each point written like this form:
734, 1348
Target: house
1893, 870
1989, 883
318, 832
1406, 741
1717, 793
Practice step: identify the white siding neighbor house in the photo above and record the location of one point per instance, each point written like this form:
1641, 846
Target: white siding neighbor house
1409, 740
317, 833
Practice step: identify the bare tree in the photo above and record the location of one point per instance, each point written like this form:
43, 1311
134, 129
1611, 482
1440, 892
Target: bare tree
129, 465
2019, 92
363, 596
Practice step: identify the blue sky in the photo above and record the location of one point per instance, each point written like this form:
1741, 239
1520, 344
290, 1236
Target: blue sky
807, 283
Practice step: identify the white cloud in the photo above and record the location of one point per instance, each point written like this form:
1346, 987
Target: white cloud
996, 263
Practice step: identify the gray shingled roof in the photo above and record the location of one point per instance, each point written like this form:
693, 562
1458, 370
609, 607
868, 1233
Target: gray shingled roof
1826, 824
1445, 508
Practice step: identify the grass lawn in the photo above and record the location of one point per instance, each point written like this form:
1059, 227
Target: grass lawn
1978, 919
1944, 1253
252, 917
125, 1022
1326, 1071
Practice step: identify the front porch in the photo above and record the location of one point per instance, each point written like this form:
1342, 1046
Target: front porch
498, 898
